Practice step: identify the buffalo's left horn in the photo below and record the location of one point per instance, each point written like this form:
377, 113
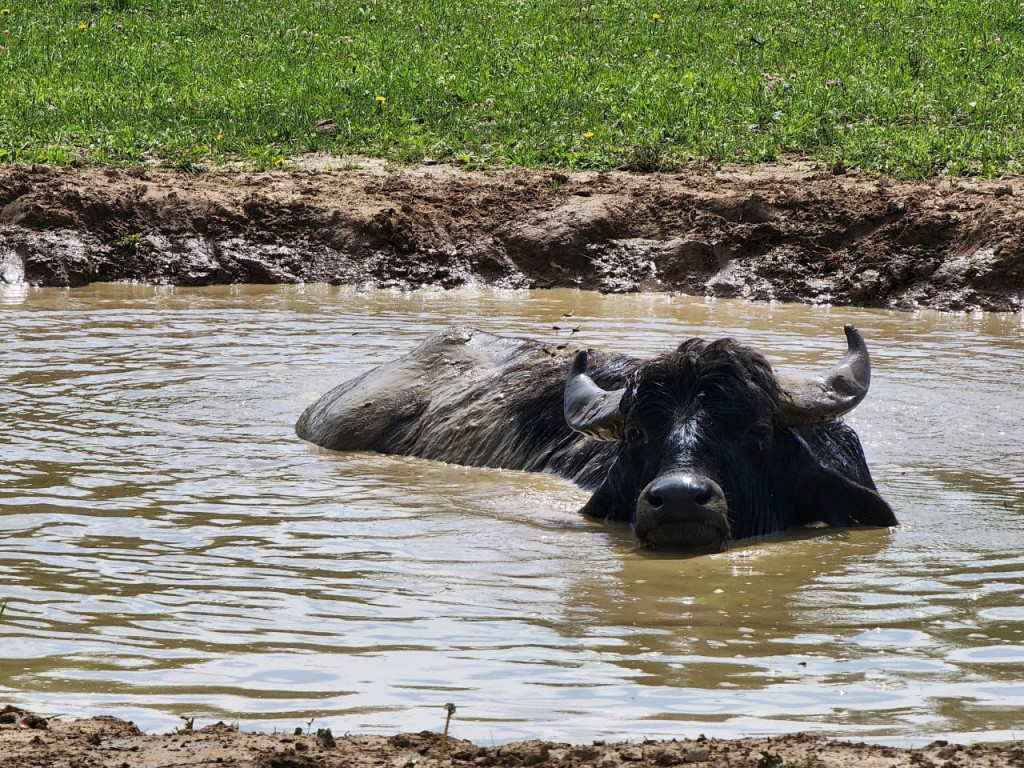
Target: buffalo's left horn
589, 409
810, 401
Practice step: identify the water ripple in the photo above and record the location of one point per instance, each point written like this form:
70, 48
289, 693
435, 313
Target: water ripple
171, 548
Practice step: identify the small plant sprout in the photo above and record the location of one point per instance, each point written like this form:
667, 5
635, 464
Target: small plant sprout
450, 709
133, 243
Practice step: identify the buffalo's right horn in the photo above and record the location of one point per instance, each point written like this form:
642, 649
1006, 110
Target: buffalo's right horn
810, 401
589, 409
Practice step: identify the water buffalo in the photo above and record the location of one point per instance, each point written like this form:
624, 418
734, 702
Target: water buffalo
694, 447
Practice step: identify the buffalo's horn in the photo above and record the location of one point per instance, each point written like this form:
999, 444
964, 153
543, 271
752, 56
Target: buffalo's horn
809, 401
589, 409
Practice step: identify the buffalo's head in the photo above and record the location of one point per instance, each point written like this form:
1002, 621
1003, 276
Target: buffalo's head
714, 446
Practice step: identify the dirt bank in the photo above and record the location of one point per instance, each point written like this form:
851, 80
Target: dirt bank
107, 742
775, 232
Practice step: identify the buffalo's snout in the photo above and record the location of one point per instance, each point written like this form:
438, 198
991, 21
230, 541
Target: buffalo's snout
682, 511
681, 494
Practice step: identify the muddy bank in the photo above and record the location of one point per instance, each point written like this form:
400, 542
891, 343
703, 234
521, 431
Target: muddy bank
775, 232
107, 742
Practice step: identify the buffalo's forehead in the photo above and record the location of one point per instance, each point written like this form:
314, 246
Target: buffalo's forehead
721, 378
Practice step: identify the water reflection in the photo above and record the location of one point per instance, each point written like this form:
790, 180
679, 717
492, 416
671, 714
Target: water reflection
170, 547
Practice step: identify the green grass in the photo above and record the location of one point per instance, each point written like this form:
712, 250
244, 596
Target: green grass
907, 88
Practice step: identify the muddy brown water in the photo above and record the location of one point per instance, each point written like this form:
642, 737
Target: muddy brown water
171, 548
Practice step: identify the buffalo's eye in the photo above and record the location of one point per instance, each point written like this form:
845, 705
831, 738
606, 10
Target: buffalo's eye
636, 434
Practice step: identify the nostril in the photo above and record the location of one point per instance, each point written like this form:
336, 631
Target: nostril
703, 497
654, 499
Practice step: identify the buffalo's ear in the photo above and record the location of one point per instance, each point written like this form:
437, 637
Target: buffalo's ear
609, 503
824, 494
820, 493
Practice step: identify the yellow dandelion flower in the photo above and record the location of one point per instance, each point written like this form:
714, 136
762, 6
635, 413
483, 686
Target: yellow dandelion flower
5, 11
82, 27
655, 16
279, 161
382, 100
588, 135
220, 137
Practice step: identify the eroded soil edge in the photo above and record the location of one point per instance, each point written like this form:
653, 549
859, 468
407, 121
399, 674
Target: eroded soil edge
107, 742
775, 232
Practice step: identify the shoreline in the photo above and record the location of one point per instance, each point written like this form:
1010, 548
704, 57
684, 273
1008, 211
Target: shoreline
109, 741
785, 232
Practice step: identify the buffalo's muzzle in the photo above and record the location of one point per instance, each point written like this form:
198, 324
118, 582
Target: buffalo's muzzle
682, 511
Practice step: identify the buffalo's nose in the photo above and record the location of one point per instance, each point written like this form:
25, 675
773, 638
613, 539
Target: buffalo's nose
679, 493
682, 511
